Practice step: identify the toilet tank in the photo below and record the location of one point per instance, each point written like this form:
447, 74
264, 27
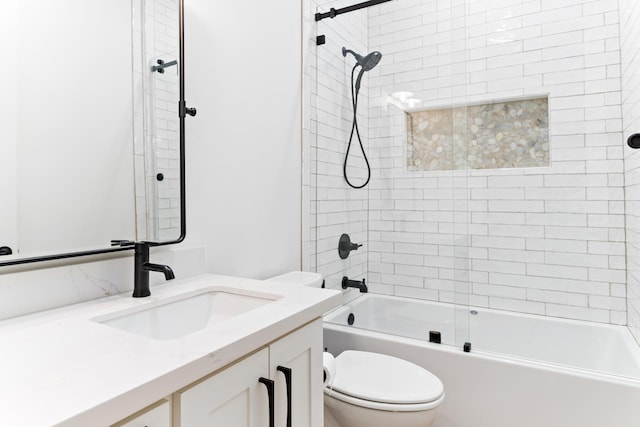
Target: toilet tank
299, 278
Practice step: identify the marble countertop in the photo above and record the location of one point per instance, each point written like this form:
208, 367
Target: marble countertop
62, 367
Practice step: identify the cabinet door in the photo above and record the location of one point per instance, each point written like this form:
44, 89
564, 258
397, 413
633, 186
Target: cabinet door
301, 352
158, 416
231, 398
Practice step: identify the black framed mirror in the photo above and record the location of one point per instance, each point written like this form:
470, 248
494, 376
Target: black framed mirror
94, 154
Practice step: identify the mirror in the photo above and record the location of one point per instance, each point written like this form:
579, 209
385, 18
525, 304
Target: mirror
90, 148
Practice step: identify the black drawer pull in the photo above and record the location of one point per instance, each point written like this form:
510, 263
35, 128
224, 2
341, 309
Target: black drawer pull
287, 377
270, 385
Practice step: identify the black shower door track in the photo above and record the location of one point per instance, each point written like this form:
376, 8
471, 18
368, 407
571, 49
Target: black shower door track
335, 12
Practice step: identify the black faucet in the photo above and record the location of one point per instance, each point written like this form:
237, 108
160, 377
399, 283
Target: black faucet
142, 267
346, 283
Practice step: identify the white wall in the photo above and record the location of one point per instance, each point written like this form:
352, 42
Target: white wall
44, 286
630, 38
243, 73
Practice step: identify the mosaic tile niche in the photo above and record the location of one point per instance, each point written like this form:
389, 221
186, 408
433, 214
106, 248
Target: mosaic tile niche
511, 134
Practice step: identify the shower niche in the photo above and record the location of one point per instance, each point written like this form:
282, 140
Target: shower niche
495, 135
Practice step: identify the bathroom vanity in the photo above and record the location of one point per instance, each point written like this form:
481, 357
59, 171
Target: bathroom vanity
236, 393
199, 351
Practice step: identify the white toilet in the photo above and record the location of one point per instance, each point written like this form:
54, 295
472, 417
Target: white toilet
376, 390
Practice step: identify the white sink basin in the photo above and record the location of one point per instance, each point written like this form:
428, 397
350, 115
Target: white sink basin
177, 318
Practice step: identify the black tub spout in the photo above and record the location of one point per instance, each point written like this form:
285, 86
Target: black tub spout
361, 285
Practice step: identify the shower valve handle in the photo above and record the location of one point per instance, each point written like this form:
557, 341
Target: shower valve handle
345, 246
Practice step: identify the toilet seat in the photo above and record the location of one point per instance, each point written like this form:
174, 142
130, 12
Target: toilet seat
382, 382
390, 407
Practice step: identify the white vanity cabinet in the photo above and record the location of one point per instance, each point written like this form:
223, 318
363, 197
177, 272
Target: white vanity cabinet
158, 415
207, 375
235, 397
301, 352
232, 398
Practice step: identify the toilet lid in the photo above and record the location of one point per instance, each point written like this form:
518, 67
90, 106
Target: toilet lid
381, 378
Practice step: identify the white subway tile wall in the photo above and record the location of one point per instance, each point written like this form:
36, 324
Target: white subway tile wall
139, 68
334, 208
156, 122
546, 240
630, 34
542, 240
163, 125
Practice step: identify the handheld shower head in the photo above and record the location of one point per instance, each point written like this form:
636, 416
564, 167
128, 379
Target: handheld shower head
367, 62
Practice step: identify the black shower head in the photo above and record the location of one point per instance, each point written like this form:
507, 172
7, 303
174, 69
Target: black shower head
366, 62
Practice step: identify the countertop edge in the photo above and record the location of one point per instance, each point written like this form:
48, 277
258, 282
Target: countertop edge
186, 362
163, 387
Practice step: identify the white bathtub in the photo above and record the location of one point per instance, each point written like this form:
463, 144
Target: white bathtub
522, 371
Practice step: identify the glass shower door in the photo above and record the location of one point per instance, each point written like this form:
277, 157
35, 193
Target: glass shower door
411, 216
338, 209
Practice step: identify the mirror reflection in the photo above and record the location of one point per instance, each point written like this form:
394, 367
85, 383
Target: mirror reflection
90, 131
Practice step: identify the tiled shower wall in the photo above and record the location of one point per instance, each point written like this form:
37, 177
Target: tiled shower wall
334, 207
163, 125
418, 221
157, 126
542, 240
630, 34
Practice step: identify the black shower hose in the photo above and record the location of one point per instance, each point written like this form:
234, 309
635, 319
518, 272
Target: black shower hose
354, 101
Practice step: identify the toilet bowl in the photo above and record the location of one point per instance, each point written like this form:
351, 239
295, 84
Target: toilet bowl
376, 390
372, 389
